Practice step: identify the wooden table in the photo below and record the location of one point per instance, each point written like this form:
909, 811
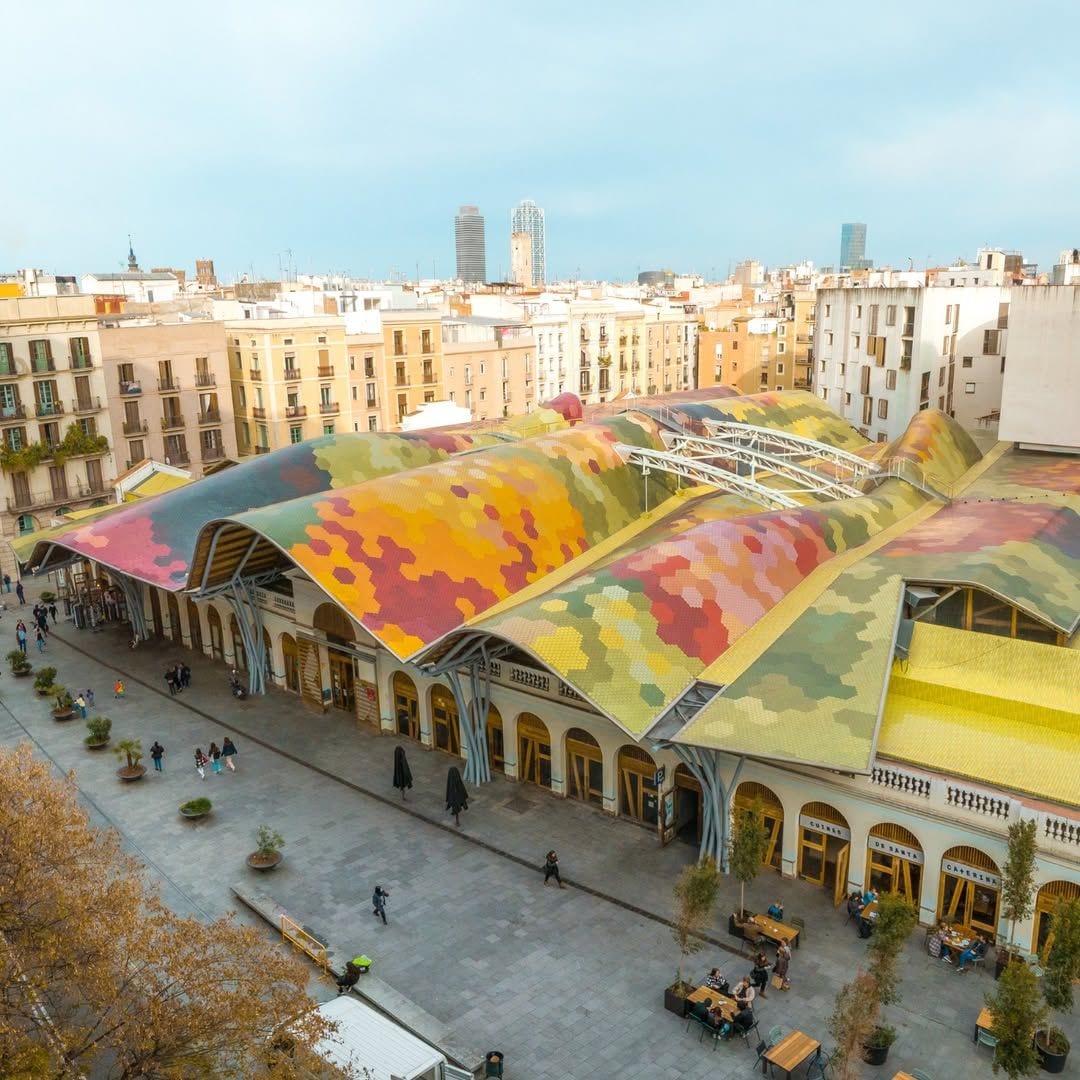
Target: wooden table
790, 1052
903, 1076
728, 1006
985, 1023
957, 936
776, 931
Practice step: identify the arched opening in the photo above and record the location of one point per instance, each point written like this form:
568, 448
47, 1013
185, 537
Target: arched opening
217, 637
240, 661
446, 731
156, 627
176, 631
335, 624
894, 862
496, 751
749, 792
534, 751
969, 889
268, 656
637, 785
292, 663
584, 767
688, 806
406, 706
824, 848
1045, 903
194, 624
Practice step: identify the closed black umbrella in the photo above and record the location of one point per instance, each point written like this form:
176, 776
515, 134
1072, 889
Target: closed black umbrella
402, 772
457, 799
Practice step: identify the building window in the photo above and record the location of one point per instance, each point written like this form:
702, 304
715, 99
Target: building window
371, 395
941, 377
296, 434
328, 429
969, 388
779, 369
847, 399
890, 380
858, 311
354, 389
867, 409
948, 314
352, 362
990, 342
883, 408
369, 366
1003, 365
425, 340
780, 346
373, 423
966, 362
890, 315
286, 341
828, 337
399, 342
321, 339
828, 310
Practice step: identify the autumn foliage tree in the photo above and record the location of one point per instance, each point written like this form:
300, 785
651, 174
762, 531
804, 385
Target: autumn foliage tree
98, 977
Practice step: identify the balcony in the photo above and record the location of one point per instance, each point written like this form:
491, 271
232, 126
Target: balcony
292, 374
9, 369
258, 413
372, 403
49, 408
13, 412
326, 372
802, 384
25, 500
804, 339
136, 427
169, 385
172, 422
41, 366
255, 374
210, 416
909, 330
429, 378
262, 449
129, 389
403, 380
905, 363
177, 457
205, 378
295, 412
81, 363
213, 453
82, 406
329, 408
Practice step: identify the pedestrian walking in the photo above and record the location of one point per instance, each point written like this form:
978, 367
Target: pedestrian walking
215, 757
378, 903
157, 752
185, 676
20, 635
42, 615
228, 752
52, 613
89, 697
551, 869
19, 592
119, 690
402, 772
780, 968
200, 763
7, 583
178, 678
457, 798
170, 681
80, 704
40, 637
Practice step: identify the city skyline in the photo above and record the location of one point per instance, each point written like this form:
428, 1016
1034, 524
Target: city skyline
184, 189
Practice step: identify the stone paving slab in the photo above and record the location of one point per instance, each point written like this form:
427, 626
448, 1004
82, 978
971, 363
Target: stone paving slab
567, 983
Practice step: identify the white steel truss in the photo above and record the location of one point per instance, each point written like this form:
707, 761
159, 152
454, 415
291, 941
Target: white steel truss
724, 451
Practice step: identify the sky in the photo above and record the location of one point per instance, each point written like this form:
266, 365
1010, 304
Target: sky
347, 133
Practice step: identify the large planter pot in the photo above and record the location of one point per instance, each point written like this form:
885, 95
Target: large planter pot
674, 1001
875, 1055
136, 772
258, 861
96, 745
194, 815
1051, 1062
63, 714
21, 673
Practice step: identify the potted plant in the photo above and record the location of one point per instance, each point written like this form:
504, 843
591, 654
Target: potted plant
47, 597
130, 752
98, 728
749, 845
196, 808
896, 919
1017, 884
852, 1025
695, 896
1016, 1014
1061, 968
268, 853
63, 705
43, 680
876, 1047
20, 665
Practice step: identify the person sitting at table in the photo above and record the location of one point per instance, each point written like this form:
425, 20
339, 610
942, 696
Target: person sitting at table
975, 951
759, 976
716, 981
700, 1011
776, 911
740, 1023
869, 896
937, 940
855, 904
744, 992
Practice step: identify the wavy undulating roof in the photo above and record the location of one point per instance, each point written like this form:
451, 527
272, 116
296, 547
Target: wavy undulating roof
1020, 474
934, 442
154, 539
411, 557
632, 635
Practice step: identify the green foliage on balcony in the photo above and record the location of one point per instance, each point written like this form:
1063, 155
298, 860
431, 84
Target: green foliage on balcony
75, 443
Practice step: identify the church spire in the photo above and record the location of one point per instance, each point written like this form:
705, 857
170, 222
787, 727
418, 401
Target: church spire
133, 263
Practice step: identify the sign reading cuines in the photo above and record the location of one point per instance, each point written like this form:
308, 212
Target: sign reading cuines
840, 831
971, 873
890, 847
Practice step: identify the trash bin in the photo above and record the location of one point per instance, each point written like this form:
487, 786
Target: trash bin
493, 1063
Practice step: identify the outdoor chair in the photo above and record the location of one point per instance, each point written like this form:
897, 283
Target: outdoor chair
978, 962
751, 940
918, 1074
776, 1033
761, 1048
751, 1030
984, 1038
801, 924
819, 1066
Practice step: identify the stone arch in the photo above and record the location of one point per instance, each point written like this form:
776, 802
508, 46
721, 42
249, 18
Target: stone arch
217, 635
824, 856
639, 799
969, 889
194, 625
534, 750
894, 861
334, 623
749, 792
445, 722
1045, 901
406, 701
176, 629
291, 662
496, 750
584, 767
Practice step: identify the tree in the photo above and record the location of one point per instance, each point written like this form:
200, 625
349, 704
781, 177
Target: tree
98, 977
896, 918
749, 845
1061, 966
1018, 874
851, 1024
695, 897
1016, 1012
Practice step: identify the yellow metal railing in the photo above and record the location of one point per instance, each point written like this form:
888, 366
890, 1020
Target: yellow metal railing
295, 933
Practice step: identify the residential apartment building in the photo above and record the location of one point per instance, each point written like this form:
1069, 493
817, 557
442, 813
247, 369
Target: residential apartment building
169, 393
367, 397
672, 350
290, 380
489, 367
412, 373
884, 354
55, 452
551, 332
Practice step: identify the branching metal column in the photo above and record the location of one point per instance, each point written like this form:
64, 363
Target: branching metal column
133, 597
704, 765
244, 603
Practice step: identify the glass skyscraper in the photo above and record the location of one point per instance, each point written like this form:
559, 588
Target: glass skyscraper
469, 245
853, 246
527, 217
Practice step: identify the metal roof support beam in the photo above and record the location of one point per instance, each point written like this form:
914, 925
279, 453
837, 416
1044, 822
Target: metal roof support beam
133, 597
717, 796
245, 607
701, 472
210, 559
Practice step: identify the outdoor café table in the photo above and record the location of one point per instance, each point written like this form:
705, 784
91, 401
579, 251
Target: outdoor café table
903, 1076
790, 1052
984, 1023
867, 918
959, 938
728, 1006
776, 931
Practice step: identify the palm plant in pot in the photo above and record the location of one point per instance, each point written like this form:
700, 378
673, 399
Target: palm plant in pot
130, 752
19, 664
268, 852
63, 704
99, 728
695, 897
43, 680
1061, 966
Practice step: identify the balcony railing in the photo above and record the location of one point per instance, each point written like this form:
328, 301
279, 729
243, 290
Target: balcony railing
9, 369
331, 408
205, 378
81, 363
295, 412
213, 453
262, 449
13, 412
292, 373
258, 413
909, 330
24, 500
210, 416
326, 371
86, 405
255, 374
168, 385
128, 389
905, 363
177, 457
41, 367
172, 422
136, 427
429, 378
403, 380
49, 408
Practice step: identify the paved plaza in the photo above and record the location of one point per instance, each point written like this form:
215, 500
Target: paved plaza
567, 983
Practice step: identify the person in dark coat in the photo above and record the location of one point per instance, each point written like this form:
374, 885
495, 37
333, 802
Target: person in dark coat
378, 903
402, 772
457, 798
